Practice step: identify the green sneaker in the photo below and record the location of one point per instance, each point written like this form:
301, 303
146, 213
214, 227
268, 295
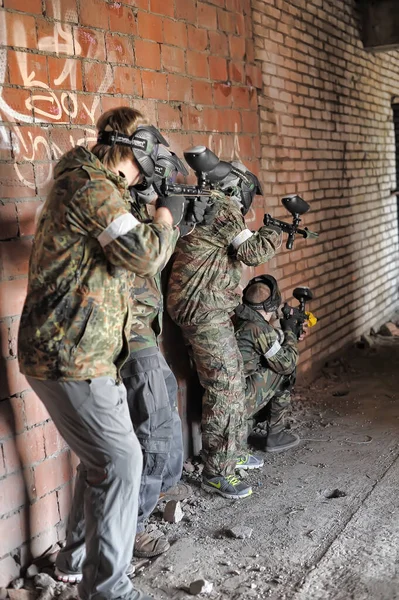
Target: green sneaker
249, 462
228, 487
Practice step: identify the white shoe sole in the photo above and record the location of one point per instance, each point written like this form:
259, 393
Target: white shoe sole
70, 578
213, 490
250, 467
75, 578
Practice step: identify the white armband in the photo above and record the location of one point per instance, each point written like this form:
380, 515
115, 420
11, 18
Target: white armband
242, 237
273, 350
121, 226
281, 335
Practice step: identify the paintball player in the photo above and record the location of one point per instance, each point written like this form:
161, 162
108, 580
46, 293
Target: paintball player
202, 295
151, 385
73, 339
270, 357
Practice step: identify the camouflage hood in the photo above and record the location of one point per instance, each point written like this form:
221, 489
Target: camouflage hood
81, 158
75, 159
245, 313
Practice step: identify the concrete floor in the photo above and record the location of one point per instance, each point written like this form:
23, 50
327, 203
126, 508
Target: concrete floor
307, 545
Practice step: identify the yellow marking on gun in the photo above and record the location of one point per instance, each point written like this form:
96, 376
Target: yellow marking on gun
312, 320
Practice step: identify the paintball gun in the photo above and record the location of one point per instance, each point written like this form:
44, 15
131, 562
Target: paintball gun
211, 171
297, 207
208, 169
303, 295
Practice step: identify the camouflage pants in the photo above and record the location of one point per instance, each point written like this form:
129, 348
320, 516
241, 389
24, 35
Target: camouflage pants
218, 361
267, 388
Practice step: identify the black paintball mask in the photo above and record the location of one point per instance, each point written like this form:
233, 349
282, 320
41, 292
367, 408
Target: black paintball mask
271, 303
240, 185
144, 143
167, 167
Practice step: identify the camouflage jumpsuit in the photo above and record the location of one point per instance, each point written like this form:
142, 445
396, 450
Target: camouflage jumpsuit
73, 341
270, 359
152, 388
205, 274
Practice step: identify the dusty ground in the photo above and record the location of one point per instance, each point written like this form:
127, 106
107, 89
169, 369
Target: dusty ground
307, 545
325, 516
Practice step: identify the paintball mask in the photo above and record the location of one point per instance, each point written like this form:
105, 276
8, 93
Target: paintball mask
271, 303
144, 143
241, 185
166, 169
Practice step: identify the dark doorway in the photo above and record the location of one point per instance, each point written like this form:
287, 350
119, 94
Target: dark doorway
395, 108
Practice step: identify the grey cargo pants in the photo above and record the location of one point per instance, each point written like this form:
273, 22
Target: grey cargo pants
152, 399
93, 418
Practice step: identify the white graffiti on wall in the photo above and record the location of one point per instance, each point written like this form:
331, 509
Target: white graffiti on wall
48, 107
47, 104
217, 148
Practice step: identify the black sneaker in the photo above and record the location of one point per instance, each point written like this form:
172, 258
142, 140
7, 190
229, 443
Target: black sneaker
281, 441
228, 487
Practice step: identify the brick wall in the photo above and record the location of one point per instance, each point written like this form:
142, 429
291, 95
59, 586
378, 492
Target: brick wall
189, 66
327, 133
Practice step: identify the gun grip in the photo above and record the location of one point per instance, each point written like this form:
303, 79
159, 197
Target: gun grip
290, 241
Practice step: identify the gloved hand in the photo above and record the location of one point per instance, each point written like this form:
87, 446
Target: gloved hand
199, 211
289, 324
274, 228
175, 204
202, 211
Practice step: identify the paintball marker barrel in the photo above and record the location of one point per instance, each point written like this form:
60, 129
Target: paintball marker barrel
182, 189
290, 229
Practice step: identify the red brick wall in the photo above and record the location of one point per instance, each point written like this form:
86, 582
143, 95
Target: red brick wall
327, 133
189, 65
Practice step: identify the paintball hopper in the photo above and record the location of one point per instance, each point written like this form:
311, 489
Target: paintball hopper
231, 177
302, 294
295, 204
203, 160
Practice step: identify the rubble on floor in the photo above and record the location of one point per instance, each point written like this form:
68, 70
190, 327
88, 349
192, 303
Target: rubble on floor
268, 545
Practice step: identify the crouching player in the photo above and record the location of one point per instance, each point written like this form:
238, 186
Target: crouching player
270, 356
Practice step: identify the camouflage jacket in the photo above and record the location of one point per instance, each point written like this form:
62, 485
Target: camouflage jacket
76, 318
207, 268
262, 346
146, 295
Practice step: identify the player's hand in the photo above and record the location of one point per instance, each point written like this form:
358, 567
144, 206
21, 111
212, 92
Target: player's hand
305, 331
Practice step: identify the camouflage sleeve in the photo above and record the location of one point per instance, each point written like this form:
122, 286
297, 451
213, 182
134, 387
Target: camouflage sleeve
98, 210
256, 248
281, 358
170, 248
227, 225
141, 214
